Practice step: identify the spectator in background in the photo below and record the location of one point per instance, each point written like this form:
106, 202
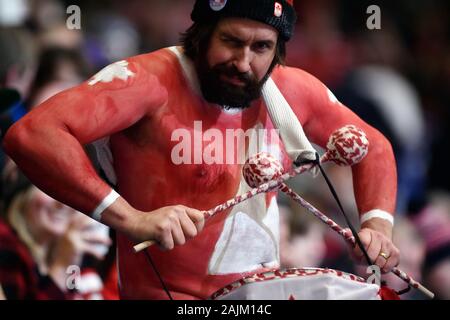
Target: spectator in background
17, 59
17, 69
433, 222
110, 37
301, 238
59, 69
377, 91
437, 275
39, 240
318, 41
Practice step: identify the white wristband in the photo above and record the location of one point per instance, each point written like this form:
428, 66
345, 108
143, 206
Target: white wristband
106, 202
377, 213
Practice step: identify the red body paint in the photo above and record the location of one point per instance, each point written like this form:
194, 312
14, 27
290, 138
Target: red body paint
140, 115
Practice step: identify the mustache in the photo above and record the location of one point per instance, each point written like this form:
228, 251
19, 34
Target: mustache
232, 71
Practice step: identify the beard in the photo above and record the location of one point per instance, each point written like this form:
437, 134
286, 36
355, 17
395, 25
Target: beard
228, 95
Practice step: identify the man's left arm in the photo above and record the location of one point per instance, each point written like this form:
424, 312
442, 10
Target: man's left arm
374, 178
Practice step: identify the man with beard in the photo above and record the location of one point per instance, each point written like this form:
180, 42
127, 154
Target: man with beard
131, 110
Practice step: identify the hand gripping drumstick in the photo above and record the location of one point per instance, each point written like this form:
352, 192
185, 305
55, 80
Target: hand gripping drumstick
265, 187
263, 167
346, 146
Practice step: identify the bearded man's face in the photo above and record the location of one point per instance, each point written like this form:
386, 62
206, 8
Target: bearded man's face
237, 63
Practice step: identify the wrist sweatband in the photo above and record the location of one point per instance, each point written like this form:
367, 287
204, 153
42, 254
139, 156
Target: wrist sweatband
106, 202
377, 213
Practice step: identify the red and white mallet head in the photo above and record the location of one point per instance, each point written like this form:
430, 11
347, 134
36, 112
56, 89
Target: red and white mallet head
261, 168
347, 146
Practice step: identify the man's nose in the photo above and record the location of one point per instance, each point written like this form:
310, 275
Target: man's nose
243, 60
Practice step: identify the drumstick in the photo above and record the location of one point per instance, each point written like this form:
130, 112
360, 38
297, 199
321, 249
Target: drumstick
346, 146
263, 166
265, 187
347, 235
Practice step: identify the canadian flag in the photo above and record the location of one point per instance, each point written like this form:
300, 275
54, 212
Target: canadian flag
278, 9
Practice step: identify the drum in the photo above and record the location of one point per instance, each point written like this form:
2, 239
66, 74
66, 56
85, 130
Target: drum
300, 284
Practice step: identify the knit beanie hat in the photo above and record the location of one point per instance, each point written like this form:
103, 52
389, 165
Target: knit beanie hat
279, 14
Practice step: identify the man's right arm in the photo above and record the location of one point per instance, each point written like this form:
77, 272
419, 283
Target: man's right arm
47, 144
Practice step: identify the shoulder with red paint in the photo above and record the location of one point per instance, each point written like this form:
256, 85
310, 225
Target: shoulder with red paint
162, 64
303, 91
151, 75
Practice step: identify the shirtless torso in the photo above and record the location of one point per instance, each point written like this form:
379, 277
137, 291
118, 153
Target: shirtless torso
139, 103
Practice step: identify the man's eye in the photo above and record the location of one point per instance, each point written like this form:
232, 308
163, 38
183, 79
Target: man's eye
231, 42
262, 46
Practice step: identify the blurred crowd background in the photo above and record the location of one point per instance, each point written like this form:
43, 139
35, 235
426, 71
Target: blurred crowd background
396, 78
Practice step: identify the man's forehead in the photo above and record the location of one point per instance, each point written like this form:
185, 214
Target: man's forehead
246, 29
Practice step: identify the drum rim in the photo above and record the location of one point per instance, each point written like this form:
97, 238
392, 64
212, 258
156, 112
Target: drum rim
280, 274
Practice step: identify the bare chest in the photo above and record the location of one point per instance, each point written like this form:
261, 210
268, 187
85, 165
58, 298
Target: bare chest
186, 153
